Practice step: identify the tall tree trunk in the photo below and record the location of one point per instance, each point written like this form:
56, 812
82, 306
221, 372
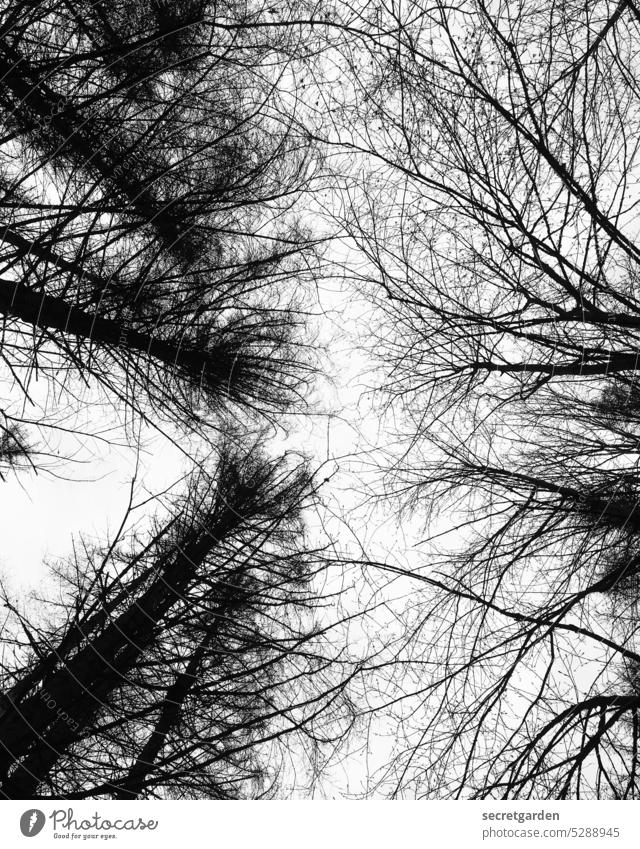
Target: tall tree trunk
80, 687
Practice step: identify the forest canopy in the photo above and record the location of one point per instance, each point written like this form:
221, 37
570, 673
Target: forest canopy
372, 269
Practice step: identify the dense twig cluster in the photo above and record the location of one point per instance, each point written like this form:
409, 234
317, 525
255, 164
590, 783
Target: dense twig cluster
493, 189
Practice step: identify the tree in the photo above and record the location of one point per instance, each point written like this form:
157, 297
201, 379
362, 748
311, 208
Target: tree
153, 249
150, 176
530, 631
491, 188
175, 667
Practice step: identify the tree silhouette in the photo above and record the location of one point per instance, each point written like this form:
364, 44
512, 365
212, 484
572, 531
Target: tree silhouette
149, 179
178, 667
491, 189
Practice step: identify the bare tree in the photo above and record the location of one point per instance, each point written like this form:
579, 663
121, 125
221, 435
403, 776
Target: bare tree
492, 153
153, 247
181, 666
150, 176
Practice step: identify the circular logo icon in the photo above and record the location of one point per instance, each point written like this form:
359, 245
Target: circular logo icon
32, 822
